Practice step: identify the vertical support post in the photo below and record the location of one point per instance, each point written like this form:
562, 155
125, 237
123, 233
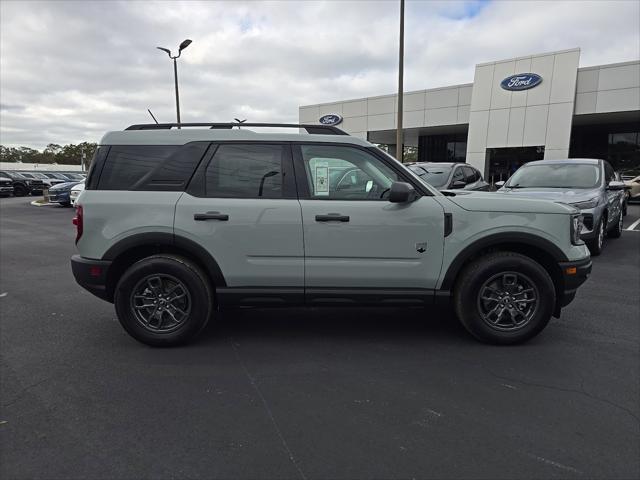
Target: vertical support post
175, 75
399, 132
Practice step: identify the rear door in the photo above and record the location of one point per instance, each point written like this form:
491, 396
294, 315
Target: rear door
354, 237
242, 207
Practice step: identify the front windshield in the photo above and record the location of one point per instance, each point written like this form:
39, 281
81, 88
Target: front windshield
556, 175
435, 176
13, 175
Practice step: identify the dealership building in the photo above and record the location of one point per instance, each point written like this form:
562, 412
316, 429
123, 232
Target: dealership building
542, 106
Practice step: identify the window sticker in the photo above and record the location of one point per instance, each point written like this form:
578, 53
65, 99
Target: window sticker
322, 179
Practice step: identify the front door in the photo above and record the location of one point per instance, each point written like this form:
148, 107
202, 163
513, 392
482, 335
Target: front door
354, 237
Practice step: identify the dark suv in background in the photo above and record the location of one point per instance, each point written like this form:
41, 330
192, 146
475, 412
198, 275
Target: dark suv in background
449, 175
22, 185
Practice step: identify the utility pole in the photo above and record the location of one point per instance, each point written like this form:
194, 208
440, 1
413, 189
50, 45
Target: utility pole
399, 136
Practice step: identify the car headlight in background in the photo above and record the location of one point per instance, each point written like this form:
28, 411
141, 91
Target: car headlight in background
592, 203
576, 228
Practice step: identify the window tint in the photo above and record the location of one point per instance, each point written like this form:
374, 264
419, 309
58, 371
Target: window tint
346, 173
245, 171
470, 174
608, 172
126, 165
458, 176
136, 167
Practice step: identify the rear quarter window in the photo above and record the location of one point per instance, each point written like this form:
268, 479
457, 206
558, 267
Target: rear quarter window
150, 167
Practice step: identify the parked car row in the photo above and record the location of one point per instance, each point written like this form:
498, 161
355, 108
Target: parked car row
21, 183
590, 185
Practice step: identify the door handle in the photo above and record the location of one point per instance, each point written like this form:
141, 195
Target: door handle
210, 216
332, 217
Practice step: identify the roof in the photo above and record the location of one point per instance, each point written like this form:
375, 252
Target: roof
574, 161
436, 164
183, 136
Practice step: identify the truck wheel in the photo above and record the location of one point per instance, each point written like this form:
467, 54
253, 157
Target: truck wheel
596, 245
616, 231
19, 191
163, 300
504, 298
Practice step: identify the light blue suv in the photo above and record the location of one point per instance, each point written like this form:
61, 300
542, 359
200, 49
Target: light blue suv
175, 224
588, 184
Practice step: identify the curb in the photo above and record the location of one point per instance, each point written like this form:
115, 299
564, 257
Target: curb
40, 203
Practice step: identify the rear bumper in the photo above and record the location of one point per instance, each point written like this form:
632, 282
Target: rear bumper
574, 274
91, 275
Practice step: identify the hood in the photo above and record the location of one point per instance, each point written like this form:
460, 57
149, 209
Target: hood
500, 202
555, 194
63, 186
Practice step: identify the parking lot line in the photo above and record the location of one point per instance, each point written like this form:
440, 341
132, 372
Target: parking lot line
633, 225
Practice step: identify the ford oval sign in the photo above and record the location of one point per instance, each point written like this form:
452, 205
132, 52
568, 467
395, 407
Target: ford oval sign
521, 81
331, 119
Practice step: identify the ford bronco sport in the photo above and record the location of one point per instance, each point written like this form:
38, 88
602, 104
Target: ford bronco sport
176, 223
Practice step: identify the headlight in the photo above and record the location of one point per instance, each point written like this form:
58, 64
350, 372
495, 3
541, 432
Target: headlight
592, 203
576, 228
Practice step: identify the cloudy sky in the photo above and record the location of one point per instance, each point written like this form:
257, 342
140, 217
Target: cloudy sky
69, 71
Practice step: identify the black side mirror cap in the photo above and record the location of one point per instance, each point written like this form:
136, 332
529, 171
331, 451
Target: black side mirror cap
459, 184
402, 192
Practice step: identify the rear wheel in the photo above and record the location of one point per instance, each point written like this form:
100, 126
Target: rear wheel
19, 191
504, 298
596, 244
163, 300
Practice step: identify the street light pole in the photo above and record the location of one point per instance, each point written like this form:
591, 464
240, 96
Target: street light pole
399, 133
182, 46
175, 76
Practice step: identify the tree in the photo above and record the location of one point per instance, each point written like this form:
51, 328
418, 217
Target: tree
68, 154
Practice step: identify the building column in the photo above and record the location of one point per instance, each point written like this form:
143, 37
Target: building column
391, 149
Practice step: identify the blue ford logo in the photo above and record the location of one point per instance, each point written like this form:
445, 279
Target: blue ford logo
331, 119
521, 81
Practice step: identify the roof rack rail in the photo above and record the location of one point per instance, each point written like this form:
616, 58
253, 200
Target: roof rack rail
311, 129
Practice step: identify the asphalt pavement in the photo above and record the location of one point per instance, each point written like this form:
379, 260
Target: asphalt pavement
308, 394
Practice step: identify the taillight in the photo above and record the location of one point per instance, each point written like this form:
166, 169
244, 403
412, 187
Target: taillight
77, 221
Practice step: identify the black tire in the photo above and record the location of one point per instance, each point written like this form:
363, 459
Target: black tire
616, 231
19, 191
596, 245
176, 271
471, 288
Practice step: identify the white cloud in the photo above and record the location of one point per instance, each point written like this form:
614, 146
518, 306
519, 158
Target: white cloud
71, 70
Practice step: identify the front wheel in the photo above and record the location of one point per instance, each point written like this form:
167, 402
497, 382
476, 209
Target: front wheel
504, 298
596, 244
163, 300
616, 231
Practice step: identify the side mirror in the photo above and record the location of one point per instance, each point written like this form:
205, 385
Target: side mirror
615, 185
500, 184
401, 192
459, 184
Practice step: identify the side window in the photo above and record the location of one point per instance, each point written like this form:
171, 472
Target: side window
458, 176
345, 173
145, 167
245, 171
126, 165
609, 173
470, 174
